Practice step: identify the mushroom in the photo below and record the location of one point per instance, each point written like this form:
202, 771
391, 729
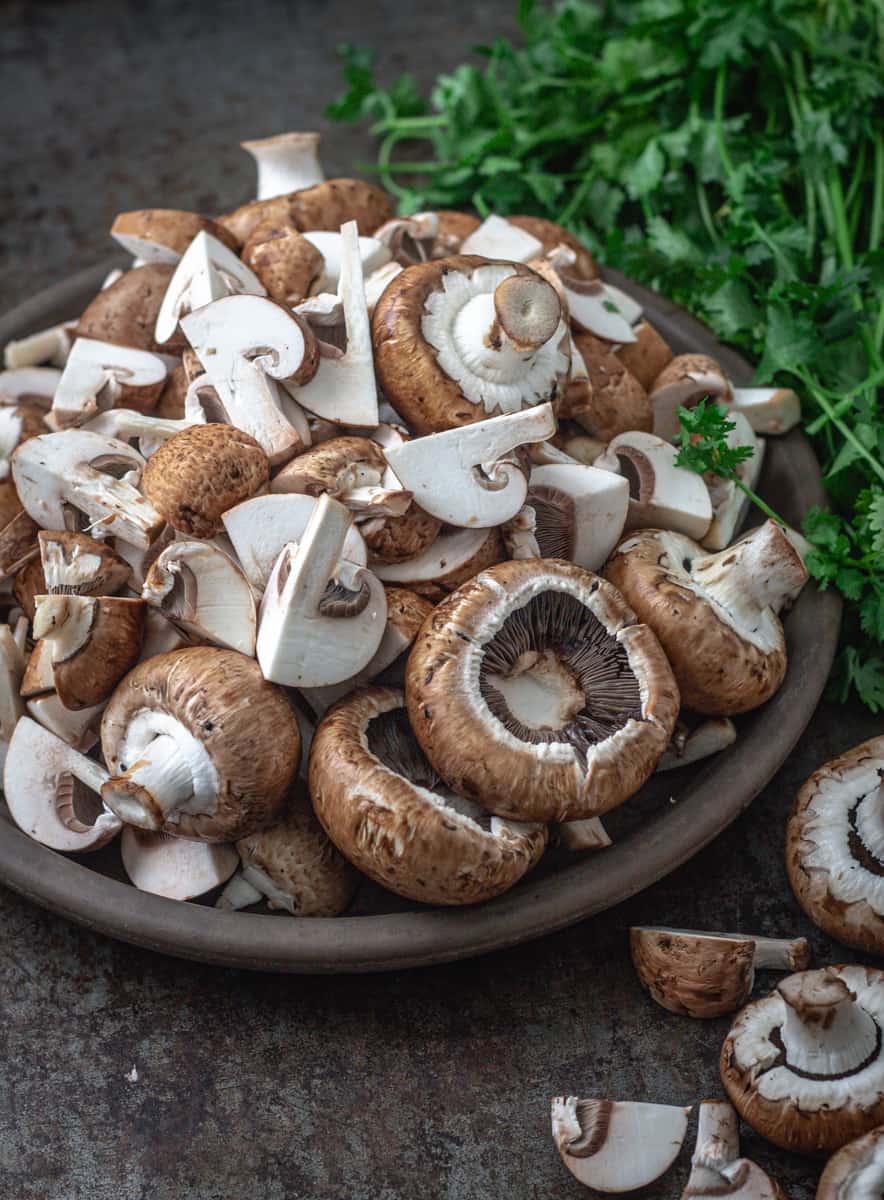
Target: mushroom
322, 206
208, 271
126, 312
40, 784
50, 345
661, 494
803, 1066
578, 513
333, 248
72, 563
410, 239
617, 1146
856, 1171
462, 339
200, 473
699, 974
76, 469
161, 636
174, 867
729, 501
468, 476
202, 590
29, 385
609, 400
16, 426
12, 666
716, 1168
834, 854
321, 618
595, 308
350, 469
388, 811
455, 556
498, 238
376, 284
646, 357
768, 410
583, 835
683, 383
93, 642
391, 539
709, 737
715, 614
162, 235
100, 375
286, 162
18, 544
552, 237
127, 424
533, 690
287, 264
200, 745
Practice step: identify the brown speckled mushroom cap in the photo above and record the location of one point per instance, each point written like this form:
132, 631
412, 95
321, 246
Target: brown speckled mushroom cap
389, 812
534, 691
804, 1066
618, 402
715, 614
835, 847
326, 205
126, 312
87, 668
856, 1172
200, 473
454, 228
552, 235
435, 380
235, 734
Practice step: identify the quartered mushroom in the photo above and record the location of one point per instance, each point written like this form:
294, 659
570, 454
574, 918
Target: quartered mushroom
835, 847
286, 162
462, 339
288, 265
73, 563
646, 357
92, 641
804, 1066
715, 614
534, 692
683, 383
174, 867
705, 739
162, 235
768, 410
716, 1167
615, 1146
729, 502
661, 495
498, 238
50, 346
390, 813
350, 469
699, 974
455, 556
603, 396
199, 744
100, 375
856, 1172
126, 312
208, 270
201, 589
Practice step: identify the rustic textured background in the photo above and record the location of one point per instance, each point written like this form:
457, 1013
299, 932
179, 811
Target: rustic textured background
431, 1084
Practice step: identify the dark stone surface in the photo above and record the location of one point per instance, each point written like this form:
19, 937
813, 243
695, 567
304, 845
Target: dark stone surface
429, 1084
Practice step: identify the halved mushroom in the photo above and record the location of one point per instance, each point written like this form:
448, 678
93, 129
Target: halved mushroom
834, 853
162, 235
350, 469
683, 383
617, 1146
462, 339
594, 307
455, 556
646, 357
50, 345
174, 867
611, 401
202, 590
126, 312
410, 239
534, 691
716, 1168
768, 410
287, 264
77, 469
498, 238
50, 791
661, 494
286, 162
690, 746
200, 745
729, 502
29, 385
93, 642
856, 1172
388, 811
804, 1066
208, 271
715, 614
469, 476
322, 619
700, 974
72, 563
100, 375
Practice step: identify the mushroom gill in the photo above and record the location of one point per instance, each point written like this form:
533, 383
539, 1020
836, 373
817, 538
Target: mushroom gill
554, 521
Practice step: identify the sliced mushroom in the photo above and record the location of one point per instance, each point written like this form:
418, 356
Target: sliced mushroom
715, 614
707, 738
350, 469
410, 239
174, 867
50, 345
608, 399
12, 667
126, 312
617, 1146
552, 237
700, 974
204, 592
29, 385
578, 514
661, 495
683, 383
804, 1065
716, 1168
856, 1172
208, 271
729, 502
498, 238
93, 641
287, 264
594, 307
100, 375
17, 424
198, 744
162, 235
333, 248
768, 410
72, 563
455, 556
286, 162
534, 692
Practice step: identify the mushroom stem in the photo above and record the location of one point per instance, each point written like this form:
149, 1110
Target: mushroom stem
781, 954
494, 339
238, 893
319, 552
717, 1145
151, 788
764, 567
287, 162
825, 1032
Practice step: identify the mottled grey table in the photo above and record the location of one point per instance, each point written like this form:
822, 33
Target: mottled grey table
430, 1084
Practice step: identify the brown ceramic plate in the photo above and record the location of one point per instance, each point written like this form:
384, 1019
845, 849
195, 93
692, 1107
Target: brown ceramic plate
652, 836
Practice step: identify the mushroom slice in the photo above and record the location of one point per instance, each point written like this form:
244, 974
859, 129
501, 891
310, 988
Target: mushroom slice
497, 238
321, 619
261, 528
79, 729
204, 592
715, 614
77, 469
286, 162
599, 309
73, 563
683, 383
661, 494
50, 345
462, 339
410, 239
463, 477
578, 514
388, 811
709, 737
617, 1146
534, 691
29, 385
350, 469
162, 235
835, 847
768, 410
198, 744
729, 502
455, 556
208, 271
98, 375
804, 1065
127, 423
334, 249
174, 867
376, 284
583, 835
716, 1168
93, 643
701, 974
856, 1172
50, 791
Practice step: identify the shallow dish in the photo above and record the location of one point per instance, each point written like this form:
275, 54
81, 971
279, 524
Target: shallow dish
651, 835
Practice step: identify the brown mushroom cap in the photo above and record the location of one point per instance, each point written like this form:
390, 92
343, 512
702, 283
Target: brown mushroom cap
619, 402
552, 235
856, 1172
454, 228
833, 844
111, 648
329, 467
388, 811
397, 539
445, 579
534, 691
647, 356
170, 227
246, 726
126, 312
198, 474
285, 262
29, 583
171, 402
326, 205
685, 381
10, 505
406, 610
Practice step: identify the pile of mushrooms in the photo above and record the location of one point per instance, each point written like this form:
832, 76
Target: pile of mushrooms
294, 443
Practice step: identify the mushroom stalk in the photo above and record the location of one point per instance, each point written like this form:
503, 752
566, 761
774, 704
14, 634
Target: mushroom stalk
239, 893
496, 332
825, 1032
763, 568
287, 162
780, 954
717, 1145
171, 773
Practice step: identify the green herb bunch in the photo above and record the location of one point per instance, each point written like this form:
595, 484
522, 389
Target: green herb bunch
730, 154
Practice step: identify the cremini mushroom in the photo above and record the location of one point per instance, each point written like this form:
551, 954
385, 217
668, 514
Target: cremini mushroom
716, 1168
729, 501
93, 642
50, 345
12, 667
174, 867
594, 307
498, 238
410, 239
856, 1171
834, 853
126, 312
462, 339
350, 469
804, 1065
615, 1146
100, 375
287, 264
17, 424
128, 426
683, 383
162, 235
332, 245
646, 357
208, 270
768, 410
691, 745
553, 236
534, 691
199, 744
390, 813
589, 834
699, 974
74, 563
29, 385
605, 398
715, 614
324, 205
455, 556
201, 589
661, 495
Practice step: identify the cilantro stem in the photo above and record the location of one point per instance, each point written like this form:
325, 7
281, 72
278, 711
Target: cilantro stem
758, 502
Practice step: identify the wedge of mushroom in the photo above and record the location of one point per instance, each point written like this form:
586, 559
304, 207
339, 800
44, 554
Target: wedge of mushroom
716, 1167
768, 410
455, 556
93, 642
99, 375
856, 1172
661, 495
73, 563
603, 396
162, 235
705, 739
335, 247
498, 238
208, 271
198, 587
683, 383
699, 974
174, 867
